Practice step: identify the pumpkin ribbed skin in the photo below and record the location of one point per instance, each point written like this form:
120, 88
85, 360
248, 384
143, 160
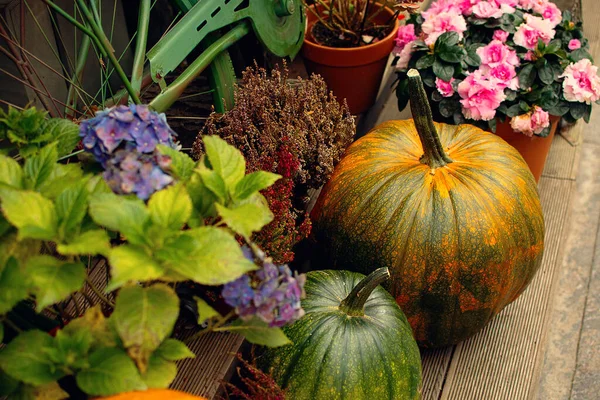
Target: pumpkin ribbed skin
338, 356
461, 241
154, 394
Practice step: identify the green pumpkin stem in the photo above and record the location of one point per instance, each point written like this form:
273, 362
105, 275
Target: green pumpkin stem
354, 304
434, 154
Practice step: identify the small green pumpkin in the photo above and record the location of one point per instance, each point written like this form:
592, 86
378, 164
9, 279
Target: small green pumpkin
353, 343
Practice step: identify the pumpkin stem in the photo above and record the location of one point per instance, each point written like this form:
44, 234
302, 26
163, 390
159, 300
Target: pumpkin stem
354, 304
434, 154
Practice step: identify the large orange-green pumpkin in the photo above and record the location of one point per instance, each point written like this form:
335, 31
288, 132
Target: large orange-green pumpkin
453, 211
154, 394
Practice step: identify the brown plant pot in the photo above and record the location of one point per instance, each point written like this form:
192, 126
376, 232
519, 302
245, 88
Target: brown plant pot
533, 149
354, 73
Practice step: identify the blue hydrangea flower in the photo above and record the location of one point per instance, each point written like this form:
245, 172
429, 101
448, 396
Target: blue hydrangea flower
273, 294
124, 139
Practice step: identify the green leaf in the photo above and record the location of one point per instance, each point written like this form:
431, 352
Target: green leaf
205, 311
225, 160
62, 177
448, 107
94, 322
14, 285
402, 94
553, 46
451, 54
11, 173
447, 39
53, 280
202, 197
253, 183
173, 350
527, 76
160, 373
580, 54
182, 166
578, 110
1, 332
546, 74
443, 71
247, 218
111, 371
206, 255
24, 360
71, 207
214, 183
258, 332
97, 185
425, 62
144, 317
170, 208
71, 348
49, 391
128, 216
472, 58
30, 212
64, 132
91, 242
38, 168
4, 225
130, 263
8, 385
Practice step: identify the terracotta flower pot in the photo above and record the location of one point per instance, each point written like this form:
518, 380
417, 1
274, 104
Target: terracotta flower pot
354, 73
533, 149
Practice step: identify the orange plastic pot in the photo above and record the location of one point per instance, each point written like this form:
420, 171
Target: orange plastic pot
534, 149
355, 73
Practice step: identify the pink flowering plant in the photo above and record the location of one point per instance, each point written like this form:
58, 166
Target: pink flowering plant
521, 61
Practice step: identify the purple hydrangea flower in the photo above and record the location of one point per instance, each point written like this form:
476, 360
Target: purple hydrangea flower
124, 139
273, 294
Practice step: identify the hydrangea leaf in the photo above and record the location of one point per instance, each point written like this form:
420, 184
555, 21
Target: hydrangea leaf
70, 348
132, 264
93, 242
173, 350
62, 177
110, 371
160, 373
11, 173
202, 197
170, 208
71, 207
64, 132
225, 160
182, 165
37, 169
4, 225
253, 183
24, 359
246, 218
14, 285
206, 255
143, 318
125, 215
8, 385
258, 332
49, 391
205, 311
39, 222
214, 183
96, 323
53, 280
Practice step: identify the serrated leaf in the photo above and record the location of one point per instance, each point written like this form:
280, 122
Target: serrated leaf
202, 197
14, 285
38, 168
49, 391
53, 280
71, 348
182, 165
62, 177
206, 255
247, 218
130, 263
71, 207
214, 183
253, 183
225, 160
128, 216
11, 173
205, 311
170, 208
258, 332
22, 359
173, 350
96, 323
160, 373
97, 185
143, 318
64, 132
111, 371
91, 242
30, 212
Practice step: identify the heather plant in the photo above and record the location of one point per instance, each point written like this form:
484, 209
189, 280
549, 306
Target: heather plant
294, 128
57, 218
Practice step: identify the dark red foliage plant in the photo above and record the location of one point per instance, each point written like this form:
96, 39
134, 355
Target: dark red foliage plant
295, 128
254, 384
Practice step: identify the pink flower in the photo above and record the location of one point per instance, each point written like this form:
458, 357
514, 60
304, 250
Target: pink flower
534, 28
436, 25
529, 56
500, 35
574, 44
480, 96
404, 55
483, 9
406, 34
497, 53
442, 6
445, 88
529, 4
581, 83
505, 73
466, 6
507, 6
522, 123
540, 120
550, 12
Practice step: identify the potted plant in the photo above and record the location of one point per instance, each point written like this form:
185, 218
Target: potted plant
348, 43
514, 67
159, 220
